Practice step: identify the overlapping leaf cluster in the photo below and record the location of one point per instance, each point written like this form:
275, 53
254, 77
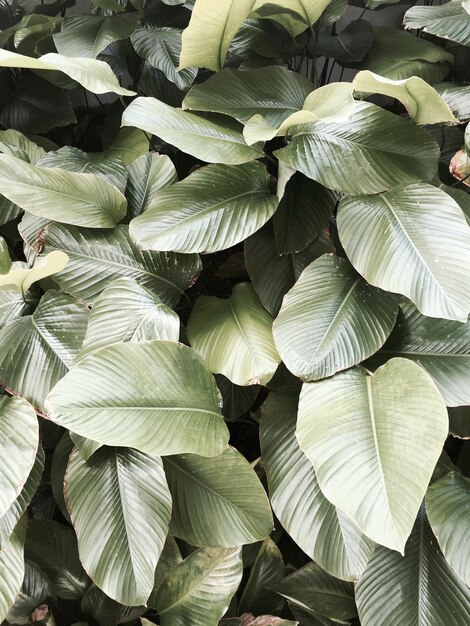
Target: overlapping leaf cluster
234, 300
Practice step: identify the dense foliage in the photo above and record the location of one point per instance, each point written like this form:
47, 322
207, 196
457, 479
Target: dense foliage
234, 293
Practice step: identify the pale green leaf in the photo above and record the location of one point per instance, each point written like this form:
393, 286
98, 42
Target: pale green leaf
60, 460
105, 611
22, 278
212, 510
295, 15
214, 208
86, 447
449, 21
457, 97
374, 442
128, 145
147, 175
411, 240
211, 141
119, 552
36, 590
15, 138
162, 388
11, 569
239, 342
12, 306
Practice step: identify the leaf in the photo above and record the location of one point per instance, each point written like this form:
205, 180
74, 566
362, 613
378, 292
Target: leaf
239, 342
331, 319
12, 306
212, 508
294, 15
22, 279
312, 588
60, 461
37, 350
457, 97
128, 145
374, 442
392, 151
80, 199
125, 311
11, 569
408, 591
449, 21
97, 258
213, 25
423, 103
323, 532
272, 91
459, 422
85, 36
198, 590
411, 240
53, 547
212, 141
161, 47
236, 400
35, 591
162, 388
86, 447
349, 46
19, 436
441, 347
119, 551
147, 175
214, 208
105, 611
15, 138
449, 516
94, 75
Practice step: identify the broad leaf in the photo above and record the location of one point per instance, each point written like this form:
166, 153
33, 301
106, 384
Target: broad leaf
459, 422
11, 569
449, 21
331, 319
374, 442
53, 547
127, 145
94, 75
392, 150
107, 612
198, 590
98, 258
213, 25
294, 15
147, 175
350, 45
411, 240
19, 436
60, 461
457, 97
35, 591
119, 551
88, 35
162, 388
274, 92
22, 278
80, 199
397, 591
37, 350
125, 311
321, 530
212, 510
239, 342
15, 138
214, 208
12, 306
161, 48
212, 141
449, 515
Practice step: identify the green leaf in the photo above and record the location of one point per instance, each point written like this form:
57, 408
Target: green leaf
211, 141
449, 515
423, 103
19, 436
198, 590
12, 306
5, 261
97, 258
449, 21
37, 350
36, 590
60, 460
457, 97
87, 35
15, 138
128, 145
273, 91
212, 509
80, 199
442, 347
22, 278
331, 319
392, 150
107, 612
459, 422
294, 15
239, 342
161, 47
349, 46
120, 553
397, 591
323, 532
86, 447
374, 442
125, 311
53, 547
11, 569
147, 175
213, 25
94, 75
214, 208
162, 388
314, 589
411, 240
